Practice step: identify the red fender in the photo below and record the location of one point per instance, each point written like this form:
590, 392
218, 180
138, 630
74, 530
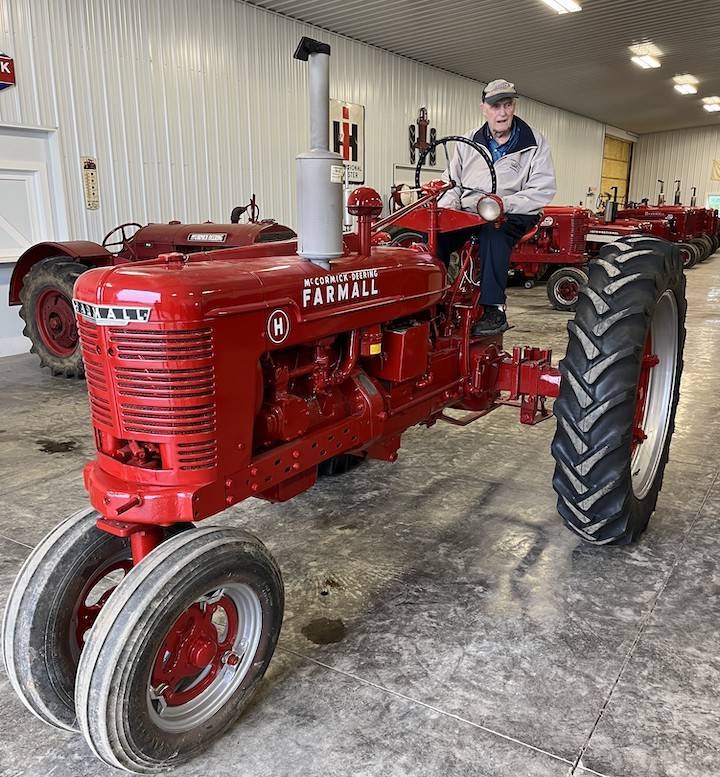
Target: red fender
84, 251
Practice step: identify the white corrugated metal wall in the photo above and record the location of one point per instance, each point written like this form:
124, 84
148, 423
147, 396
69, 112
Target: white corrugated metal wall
687, 155
191, 105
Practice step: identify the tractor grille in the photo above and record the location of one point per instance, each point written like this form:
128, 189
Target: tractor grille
578, 231
100, 409
168, 387
153, 345
163, 386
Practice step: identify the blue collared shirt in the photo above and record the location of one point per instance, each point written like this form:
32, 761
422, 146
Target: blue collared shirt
499, 150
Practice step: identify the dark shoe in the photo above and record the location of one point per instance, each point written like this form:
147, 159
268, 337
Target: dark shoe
492, 322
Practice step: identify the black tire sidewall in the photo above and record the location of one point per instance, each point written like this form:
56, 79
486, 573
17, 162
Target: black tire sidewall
47, 658
134, 667
627, 514
574, 274
58, 273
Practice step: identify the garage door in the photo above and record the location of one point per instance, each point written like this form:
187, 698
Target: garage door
617, 154
25, 216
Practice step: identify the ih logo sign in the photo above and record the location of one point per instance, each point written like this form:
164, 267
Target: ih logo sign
278, 326
7, 71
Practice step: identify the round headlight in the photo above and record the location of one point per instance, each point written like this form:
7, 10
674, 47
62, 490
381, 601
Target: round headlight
488, 208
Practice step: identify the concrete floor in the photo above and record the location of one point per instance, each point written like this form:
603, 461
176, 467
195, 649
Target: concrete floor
440, 619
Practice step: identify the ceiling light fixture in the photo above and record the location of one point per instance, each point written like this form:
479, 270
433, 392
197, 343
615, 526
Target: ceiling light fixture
686, 84
646, 55
563, 6
711, 104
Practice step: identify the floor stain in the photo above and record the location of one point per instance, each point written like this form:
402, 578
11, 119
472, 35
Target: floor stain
323, 631
57, 446
329, 583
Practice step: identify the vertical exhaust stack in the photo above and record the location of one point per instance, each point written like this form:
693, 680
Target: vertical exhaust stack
320, 172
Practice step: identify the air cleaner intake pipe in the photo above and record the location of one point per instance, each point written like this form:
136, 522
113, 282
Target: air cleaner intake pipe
320, 172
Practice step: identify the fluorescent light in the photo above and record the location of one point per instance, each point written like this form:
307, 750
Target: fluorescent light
646, 61
686, 88
714, 100
646, 49
711, 108
686, 78
563, 6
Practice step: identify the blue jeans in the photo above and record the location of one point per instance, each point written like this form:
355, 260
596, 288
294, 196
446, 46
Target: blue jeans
496, 245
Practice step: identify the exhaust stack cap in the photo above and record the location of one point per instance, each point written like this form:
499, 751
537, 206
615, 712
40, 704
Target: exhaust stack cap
308, 46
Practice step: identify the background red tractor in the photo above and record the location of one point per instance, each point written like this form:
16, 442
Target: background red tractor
44, 276
230, 375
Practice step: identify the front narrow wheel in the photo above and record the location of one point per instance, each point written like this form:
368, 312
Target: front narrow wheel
177, 653
55, 599
619, 390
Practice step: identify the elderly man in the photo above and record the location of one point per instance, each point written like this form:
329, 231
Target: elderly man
525, 181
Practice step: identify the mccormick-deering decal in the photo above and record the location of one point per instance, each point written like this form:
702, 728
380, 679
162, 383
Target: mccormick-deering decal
339, 287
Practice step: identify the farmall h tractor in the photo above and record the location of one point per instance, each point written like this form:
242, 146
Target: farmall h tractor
234, 374
43, 279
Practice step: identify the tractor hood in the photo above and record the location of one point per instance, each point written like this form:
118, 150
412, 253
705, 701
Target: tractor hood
390, 283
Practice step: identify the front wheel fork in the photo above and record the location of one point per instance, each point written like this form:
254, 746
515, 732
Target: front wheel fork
143, 538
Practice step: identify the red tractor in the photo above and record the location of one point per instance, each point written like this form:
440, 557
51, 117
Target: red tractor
230, 375
694, 229
44, 276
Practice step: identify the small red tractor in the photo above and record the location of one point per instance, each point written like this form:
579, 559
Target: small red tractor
694, 229
43, 278
570, 237
217, 377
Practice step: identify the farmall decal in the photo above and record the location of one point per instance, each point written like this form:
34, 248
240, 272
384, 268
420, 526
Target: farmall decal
340, 287
111, 315
7, 71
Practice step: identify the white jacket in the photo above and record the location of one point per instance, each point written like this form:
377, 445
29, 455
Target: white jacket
525, 175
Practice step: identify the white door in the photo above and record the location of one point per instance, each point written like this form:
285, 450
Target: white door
26, 215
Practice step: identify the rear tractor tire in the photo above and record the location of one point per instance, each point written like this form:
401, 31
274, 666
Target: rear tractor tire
46, 308
619, 390
179, 649
563, 287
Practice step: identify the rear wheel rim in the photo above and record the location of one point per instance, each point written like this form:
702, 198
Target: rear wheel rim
56, 322
656, 385
204, 659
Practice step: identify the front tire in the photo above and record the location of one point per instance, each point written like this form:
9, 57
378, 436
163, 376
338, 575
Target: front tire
616, 408
704, 247
689, 255
46, 308
179, 650
52, 605
563, 287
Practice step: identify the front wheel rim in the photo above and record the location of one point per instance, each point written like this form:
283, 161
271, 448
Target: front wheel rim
653, 408
221, 659
566, 290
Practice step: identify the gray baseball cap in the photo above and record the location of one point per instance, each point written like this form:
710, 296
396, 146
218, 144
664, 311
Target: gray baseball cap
498, 90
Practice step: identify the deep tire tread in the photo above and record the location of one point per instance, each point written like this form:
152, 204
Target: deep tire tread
599, 386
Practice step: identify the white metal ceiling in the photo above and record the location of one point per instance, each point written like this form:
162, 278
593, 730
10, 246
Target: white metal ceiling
579, 61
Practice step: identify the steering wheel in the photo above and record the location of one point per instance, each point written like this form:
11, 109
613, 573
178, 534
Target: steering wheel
124, 239
432, 149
